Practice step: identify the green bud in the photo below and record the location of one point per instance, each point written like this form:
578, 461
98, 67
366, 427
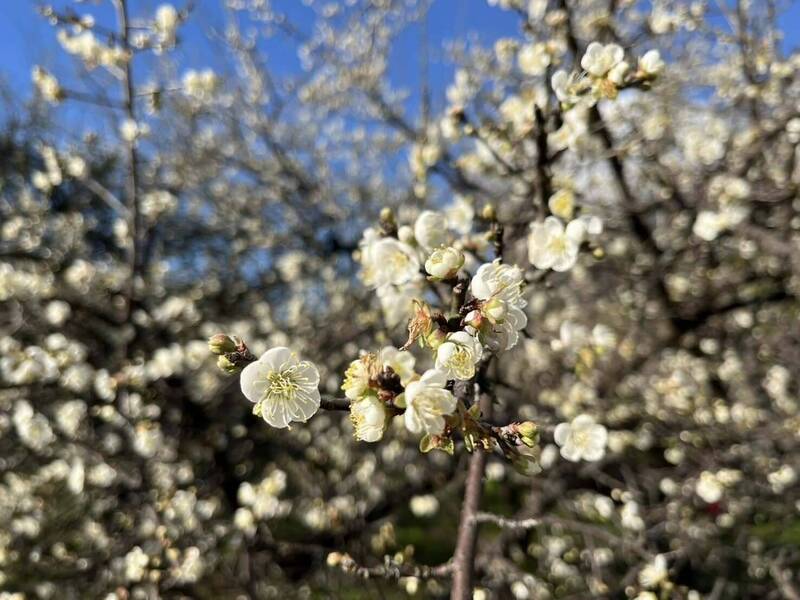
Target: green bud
227, 365
528, 433
435, 338
387, 216
221, 344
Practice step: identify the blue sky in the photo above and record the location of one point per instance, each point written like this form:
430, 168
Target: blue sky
26, 39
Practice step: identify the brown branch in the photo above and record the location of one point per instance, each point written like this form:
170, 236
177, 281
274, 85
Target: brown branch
132, 184
464, 557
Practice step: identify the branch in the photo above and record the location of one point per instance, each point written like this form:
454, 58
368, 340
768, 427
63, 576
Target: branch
332, 403
389, 570
132, 185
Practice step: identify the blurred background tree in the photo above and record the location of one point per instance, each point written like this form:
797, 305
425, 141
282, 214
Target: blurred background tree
175, 171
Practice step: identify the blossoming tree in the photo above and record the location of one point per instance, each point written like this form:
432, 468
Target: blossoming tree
550, 356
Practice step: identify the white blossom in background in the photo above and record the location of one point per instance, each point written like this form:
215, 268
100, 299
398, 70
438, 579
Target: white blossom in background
651, 63
427, 402
553, 246
165, 24
424, 506
709, 487
130, 130
654, 573
32, 428
263, 498
533, 59
582, 439
47, 85
200, 85
430, 229
387, 261
283, 388
710, 224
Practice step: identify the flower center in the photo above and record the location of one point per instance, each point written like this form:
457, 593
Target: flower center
282, 385
557, 244
461, 363
580, 439
398, 260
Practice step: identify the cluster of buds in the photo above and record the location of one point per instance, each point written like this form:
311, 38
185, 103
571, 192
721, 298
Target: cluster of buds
233, 353
519, 443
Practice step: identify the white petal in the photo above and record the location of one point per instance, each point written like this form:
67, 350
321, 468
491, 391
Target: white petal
305, 405
576, 230
561, 433
276, 358
571, 452
275, 414
433, 378
308, 372
413, 423
553, 226
583, 421
253, 381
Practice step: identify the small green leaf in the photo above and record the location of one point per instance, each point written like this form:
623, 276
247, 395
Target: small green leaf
426, 444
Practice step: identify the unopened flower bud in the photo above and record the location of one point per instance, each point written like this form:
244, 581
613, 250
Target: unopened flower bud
489, 213
405, 234
444, 263
474, 319
227, 365
435, 338
387, 215
387, 222
528, 433
221, 344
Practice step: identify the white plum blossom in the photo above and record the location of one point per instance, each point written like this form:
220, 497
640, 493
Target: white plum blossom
709, 487
534, 59
458, 355
499, 287
566, 85
562, 203
47, 85
460, 215
424, 506
553, 246
599, 59
709, 224
369, 418
283, 388
655, 572
444, 262
651, 63
356, 379
573, 133
430, 229
583, 438
165, 24
427, 402
401, 362
386, 261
